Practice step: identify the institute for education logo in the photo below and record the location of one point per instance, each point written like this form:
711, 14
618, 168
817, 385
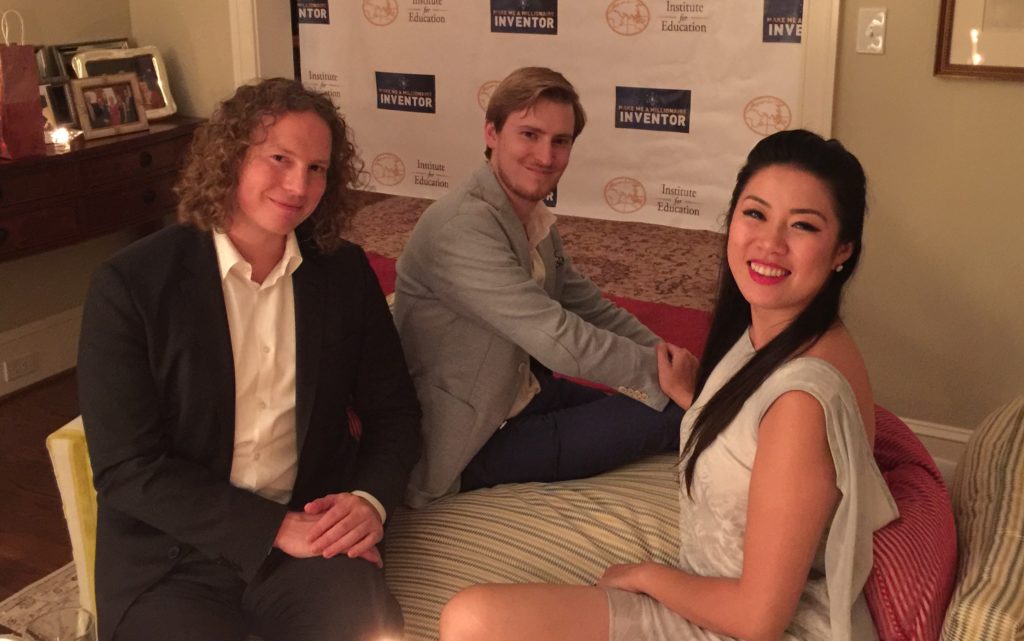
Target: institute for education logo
313, 12
524, 16
380, 12
783, 21
430, 173
627, 17
484, 93
678, 199
406, 92
625, 195
653, 109
766, 115
324, 81
427, 11
388, 169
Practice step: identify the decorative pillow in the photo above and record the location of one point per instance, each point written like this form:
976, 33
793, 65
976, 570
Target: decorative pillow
915, 556
988, 492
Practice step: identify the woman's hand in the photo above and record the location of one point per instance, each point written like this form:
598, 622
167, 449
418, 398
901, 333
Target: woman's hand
624, 576
677, 373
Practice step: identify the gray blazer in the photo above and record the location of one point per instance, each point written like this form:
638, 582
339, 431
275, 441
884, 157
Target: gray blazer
470, 316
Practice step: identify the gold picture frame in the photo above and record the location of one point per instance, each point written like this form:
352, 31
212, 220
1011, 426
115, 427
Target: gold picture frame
981, 39
145, 62
109, 105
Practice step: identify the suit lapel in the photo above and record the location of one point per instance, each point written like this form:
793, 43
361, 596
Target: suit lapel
201, 290
310, 309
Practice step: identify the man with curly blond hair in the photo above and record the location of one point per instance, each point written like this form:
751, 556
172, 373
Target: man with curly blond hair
220, 362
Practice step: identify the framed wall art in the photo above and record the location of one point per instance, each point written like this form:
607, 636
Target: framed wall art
981, 39
144, 62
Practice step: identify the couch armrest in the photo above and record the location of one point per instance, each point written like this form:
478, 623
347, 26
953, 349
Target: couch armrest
70, 458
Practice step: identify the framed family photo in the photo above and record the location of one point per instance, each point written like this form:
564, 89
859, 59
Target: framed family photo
109, 105
981, 39
145, 62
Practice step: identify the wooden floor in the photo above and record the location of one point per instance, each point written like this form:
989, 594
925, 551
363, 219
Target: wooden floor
33, 535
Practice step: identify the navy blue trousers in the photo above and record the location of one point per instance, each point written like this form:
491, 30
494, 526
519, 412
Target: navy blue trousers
571, 431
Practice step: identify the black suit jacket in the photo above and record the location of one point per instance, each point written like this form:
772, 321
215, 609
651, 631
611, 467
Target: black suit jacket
156, 387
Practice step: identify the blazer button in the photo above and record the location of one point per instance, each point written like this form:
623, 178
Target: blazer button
173, 552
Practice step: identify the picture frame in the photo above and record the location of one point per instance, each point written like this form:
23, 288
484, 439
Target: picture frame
981, 39
145, 62
44, 103
109, 105
60, 104
49, 70
63, 53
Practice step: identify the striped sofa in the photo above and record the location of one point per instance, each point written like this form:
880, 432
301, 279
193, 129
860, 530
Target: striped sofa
988, 497
569, 532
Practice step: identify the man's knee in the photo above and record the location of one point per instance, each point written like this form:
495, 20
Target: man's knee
338, 599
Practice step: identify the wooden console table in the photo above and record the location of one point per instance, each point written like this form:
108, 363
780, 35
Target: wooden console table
97, 187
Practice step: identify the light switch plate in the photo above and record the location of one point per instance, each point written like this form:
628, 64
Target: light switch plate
871, 31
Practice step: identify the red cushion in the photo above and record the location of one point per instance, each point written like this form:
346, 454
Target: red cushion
384, 267
915, 556
678, 325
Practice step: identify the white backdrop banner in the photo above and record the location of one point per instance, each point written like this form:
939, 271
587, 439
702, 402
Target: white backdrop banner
676, 93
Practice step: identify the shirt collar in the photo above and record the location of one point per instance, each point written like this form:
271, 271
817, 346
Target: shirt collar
538, 224
230, 259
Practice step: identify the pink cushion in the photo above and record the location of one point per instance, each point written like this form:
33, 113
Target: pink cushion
915, 556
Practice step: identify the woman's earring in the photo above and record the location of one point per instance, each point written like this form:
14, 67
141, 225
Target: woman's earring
838, 268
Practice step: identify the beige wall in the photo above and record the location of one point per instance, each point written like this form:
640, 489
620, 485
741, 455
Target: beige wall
53, 282
194, 37
938, 306
56, 21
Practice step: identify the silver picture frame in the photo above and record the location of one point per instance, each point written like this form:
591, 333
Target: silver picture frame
63, 53
145, 62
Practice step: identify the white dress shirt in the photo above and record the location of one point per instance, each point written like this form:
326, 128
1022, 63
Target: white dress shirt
261, 320
538, 225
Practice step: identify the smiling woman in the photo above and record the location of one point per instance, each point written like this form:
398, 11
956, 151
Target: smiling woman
776, 457
783, 243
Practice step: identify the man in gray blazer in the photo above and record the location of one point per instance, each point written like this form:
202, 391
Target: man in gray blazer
488, 305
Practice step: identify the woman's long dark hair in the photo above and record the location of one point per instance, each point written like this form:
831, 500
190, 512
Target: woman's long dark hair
832, 164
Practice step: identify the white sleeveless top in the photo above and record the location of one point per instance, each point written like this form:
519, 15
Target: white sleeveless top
713, 523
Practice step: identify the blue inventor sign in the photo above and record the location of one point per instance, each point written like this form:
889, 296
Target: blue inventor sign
313, 12
524, 16
406, 92
653, 109
783, 20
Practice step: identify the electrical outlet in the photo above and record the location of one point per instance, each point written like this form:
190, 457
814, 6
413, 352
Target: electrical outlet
21, 366
871, 31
